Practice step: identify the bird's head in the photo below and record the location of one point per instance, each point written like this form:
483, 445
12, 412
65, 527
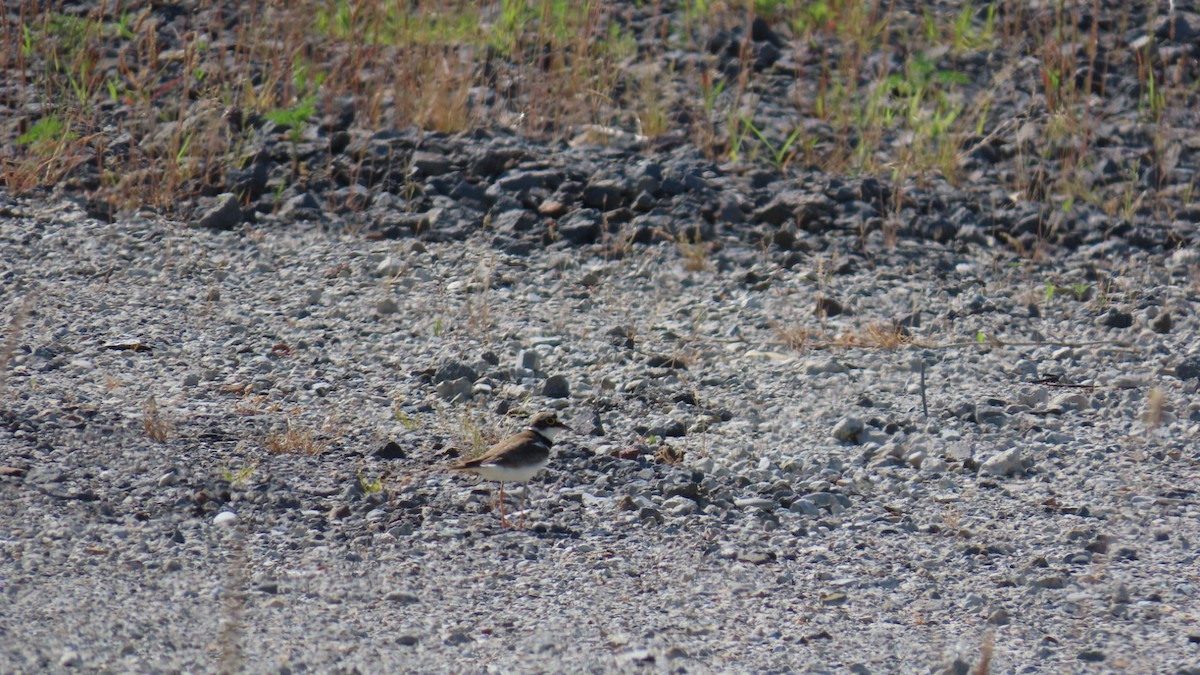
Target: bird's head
547, 425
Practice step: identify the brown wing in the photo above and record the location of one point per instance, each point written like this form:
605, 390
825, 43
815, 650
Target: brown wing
511, 451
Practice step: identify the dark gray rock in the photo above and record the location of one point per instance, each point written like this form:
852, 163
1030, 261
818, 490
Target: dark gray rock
556, 386
517, 181
515, 222
813, 212
1188, 369
225, 216
581, 227
303, 206
390, 450
1117, 319
454, 370
430, 163
492, 161
604, 194
1162, 323
666, 428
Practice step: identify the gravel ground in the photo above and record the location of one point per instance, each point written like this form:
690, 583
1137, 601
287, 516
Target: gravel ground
749, 486
822, 420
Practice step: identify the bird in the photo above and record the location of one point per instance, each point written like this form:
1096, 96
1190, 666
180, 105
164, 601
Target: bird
518, 458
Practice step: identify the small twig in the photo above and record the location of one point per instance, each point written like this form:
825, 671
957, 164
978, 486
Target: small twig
991, 342
1064, 385
231, 630
1034, 343
985, 656
924, 401
1171, 501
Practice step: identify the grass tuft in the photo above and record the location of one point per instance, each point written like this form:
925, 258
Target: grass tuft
668, 454
294, 441
155, 424
795, 337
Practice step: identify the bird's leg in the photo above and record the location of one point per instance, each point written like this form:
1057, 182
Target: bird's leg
524, 498
500, 504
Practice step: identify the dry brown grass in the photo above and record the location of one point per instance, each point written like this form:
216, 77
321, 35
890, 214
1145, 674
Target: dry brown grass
250, 404
668, 454
169, 120
294, 440
796, 337
1156, 404
985, 656
473, 434
156, 425
875, 335
879, 334
886, 335
695, 254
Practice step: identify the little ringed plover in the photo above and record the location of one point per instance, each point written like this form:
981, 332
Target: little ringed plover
518, 458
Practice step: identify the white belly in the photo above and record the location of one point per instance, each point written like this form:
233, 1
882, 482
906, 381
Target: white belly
509, 474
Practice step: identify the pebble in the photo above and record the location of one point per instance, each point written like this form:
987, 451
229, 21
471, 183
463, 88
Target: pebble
1188, 369
679, 506
455, 390
1068, 403
847, 429
1004, 463
636, 656
822, 367
402, 598
529, 360
226, 215
556, 386
755, 503
647, 514
70, 659
805, 506
1162, 323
